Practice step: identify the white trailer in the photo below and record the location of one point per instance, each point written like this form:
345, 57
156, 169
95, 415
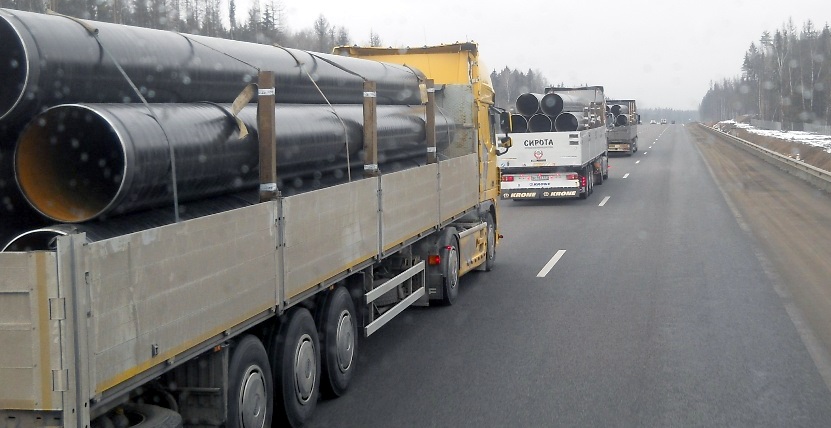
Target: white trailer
547, 165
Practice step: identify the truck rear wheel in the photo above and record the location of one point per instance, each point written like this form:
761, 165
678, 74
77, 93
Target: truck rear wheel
339, 340
250, 392
295, 359
451, 274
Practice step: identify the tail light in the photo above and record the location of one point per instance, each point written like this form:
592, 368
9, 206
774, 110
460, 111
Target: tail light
583, 181
507, 178
571, 177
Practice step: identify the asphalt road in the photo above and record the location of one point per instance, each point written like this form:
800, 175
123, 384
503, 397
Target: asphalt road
661, 310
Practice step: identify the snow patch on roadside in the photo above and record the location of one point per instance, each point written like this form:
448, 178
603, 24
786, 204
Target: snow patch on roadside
809, 138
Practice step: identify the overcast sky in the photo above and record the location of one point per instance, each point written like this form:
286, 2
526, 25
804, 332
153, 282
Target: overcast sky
661, 53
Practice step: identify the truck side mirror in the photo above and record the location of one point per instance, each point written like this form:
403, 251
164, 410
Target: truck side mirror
505, 122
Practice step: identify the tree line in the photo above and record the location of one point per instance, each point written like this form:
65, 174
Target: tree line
262, 23
508, 84
786, 77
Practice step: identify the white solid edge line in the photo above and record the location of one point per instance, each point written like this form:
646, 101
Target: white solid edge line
626, 175
603, 202
548, 266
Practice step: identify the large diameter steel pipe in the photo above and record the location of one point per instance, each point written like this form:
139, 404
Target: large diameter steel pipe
43, 238
621, 120
36, 238
47, 60
528, 104
620, 109
555, 103
570, 121
540, 123
80, 161
551, 104
519, 123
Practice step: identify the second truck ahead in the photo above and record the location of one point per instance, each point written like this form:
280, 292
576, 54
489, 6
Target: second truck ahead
566, 161
623, 135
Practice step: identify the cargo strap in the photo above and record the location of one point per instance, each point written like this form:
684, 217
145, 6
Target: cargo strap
242, 100
244, 97
335, 112
93, 31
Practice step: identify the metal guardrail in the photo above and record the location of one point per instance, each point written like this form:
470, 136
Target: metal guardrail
816, 176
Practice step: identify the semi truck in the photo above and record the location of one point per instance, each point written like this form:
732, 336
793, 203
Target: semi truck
622, 134
566, 161
246, 316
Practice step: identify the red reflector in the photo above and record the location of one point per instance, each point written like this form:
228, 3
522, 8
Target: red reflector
433, 260
571, 177
507, 178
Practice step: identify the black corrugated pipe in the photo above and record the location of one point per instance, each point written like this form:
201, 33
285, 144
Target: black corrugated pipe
570, 121
540, 123
519, 123
621, 120
528, 104
80, 161
48, 60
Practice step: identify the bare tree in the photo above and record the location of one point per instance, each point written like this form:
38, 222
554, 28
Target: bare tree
374, 39
322, 31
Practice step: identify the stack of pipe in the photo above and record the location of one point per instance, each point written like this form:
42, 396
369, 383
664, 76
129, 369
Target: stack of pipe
559, 109
78, 158
623, 112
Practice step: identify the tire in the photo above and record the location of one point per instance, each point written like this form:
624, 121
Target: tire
140, 416
250, 386
599, 175
451, 275
296, 363
338, 342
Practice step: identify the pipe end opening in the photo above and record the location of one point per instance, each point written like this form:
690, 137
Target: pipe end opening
66, 164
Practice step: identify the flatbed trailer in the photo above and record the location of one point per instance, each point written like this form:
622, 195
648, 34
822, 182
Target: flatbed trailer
245, 316
623, 135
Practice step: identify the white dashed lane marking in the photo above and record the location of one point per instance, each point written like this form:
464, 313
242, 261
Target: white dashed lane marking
550, 265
